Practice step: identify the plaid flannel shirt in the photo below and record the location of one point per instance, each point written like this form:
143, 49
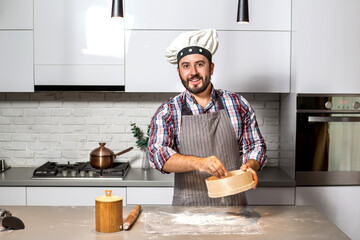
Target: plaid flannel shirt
166, 126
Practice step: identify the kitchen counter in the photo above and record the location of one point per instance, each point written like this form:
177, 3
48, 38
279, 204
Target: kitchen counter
76, 223
136, 177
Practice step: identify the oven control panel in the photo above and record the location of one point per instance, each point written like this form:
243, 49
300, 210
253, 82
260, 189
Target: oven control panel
342, 103
334, 103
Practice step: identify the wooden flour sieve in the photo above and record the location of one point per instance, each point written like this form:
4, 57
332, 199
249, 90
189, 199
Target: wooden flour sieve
235, 182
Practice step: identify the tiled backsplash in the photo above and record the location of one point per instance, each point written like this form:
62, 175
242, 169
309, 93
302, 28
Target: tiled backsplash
66, 126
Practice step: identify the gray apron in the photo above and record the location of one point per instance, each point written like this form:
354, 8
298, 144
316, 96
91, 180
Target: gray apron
202, 136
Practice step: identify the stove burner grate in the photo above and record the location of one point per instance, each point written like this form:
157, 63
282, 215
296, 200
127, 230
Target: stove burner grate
79, 170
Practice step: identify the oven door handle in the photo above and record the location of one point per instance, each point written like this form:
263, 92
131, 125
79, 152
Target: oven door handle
333, 119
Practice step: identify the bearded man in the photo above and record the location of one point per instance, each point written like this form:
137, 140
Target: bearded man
203, 131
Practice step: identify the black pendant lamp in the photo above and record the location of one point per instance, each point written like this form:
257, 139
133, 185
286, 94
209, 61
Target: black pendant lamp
117, 8
243, 12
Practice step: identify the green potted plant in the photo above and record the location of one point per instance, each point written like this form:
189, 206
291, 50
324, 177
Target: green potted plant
141, 142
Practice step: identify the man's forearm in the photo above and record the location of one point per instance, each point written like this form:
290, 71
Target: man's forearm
180, 163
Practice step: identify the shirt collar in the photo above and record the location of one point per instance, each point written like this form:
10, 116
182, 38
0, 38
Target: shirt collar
191, 99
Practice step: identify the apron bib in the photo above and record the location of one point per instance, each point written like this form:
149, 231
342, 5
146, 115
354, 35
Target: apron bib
202, 136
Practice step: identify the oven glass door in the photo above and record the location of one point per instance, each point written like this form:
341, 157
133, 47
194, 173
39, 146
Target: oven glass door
328, 142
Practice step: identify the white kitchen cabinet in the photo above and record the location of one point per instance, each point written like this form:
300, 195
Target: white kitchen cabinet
252, 57
146, 69
253, 62
16, 61
164, 195
199, 14
150, 195
271, 196
16, 46
244, 62
13, 196
78, 43
69, 196
16, 14
326, 46
340, 204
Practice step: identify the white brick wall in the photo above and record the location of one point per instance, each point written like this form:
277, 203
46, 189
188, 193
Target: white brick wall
66, 126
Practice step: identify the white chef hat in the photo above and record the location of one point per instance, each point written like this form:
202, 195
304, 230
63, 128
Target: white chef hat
203, 42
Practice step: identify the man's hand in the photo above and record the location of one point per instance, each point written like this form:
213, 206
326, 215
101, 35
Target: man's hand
252, 164
185, 163
211, 165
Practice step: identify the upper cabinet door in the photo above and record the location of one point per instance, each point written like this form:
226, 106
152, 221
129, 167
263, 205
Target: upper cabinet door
252, 57
254, 61
16, 14
146, 69
16, 46
78, 43
16, 61
327, 46
244, 62
200, 14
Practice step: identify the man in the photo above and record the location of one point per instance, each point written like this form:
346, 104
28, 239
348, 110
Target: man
202, 131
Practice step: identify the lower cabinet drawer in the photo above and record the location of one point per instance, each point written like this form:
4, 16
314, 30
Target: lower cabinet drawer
13, 196
150, 195
69, 196
85, 196
260, 196
271, 196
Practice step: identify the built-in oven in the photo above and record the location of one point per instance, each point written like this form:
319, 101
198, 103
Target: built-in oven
328, 140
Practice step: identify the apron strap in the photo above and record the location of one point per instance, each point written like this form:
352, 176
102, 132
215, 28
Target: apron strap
185, 110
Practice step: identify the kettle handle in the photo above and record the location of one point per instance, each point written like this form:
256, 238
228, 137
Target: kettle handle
125, 151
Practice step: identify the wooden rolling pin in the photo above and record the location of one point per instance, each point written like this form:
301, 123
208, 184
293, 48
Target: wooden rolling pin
132, 217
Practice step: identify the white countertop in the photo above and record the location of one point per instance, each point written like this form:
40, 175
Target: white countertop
77, 223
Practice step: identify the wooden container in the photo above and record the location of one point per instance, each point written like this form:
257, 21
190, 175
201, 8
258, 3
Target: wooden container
236, 182
109, 213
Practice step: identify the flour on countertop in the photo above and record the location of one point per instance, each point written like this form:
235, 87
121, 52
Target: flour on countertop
187, 222
201, 219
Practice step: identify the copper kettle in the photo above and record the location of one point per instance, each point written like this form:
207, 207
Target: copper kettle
102, 157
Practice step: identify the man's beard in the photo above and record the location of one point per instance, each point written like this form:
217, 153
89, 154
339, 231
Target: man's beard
195, 89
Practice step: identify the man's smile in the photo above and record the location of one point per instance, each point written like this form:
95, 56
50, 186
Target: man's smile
195, 80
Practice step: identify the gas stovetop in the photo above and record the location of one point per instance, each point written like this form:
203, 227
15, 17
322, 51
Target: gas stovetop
80, 170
